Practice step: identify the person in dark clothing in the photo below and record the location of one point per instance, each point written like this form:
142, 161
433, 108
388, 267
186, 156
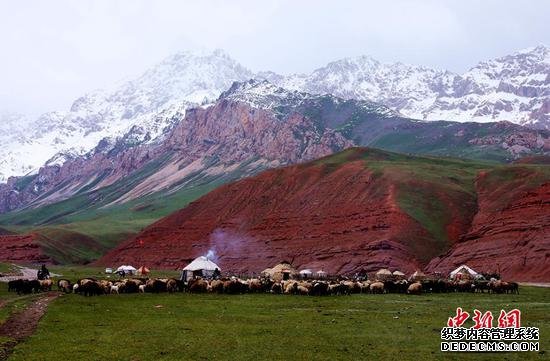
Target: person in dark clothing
43, 273
217, 274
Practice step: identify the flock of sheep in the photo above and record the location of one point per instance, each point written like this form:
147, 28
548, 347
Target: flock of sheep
234, 285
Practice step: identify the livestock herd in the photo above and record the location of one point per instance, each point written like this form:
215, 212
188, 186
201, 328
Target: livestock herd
24, 286
234, 285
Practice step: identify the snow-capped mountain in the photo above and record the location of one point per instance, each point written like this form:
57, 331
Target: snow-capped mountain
514, 88
263, 94
140, 110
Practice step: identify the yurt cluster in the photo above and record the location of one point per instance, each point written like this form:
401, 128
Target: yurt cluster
203, 275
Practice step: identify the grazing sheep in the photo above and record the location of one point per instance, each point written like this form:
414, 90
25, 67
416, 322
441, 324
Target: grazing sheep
353, 287
75, 288
90, 288
216, 286
302, 290
291, 287
64, 285
131, 286
114, 289
198, 285
14, 285
106, 286
339, 289
155, 286
46, 285
255, 285
513, 287
235, 286
141, 288
415, 289
277, 288
377, 287
365, 286
171, 285
22, 286
319, 288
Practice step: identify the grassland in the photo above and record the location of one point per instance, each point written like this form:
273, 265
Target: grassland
263, 326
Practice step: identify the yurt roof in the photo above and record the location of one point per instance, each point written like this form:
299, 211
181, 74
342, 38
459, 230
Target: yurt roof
305, 272
283, 267
126, 268
463, 268
418, 274
398, 273
383, 271
201, 263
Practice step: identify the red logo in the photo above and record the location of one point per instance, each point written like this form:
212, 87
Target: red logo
459, 319
484, 320
510, 319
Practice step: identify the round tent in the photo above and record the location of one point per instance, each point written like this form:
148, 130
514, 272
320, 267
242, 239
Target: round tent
282, 271
463, 272
305, 273
383, 274
417, 276
127, 269
144, 271
321, 274
201, 266
398, 274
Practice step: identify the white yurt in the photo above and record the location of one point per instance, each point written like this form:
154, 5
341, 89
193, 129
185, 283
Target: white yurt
383, 274
127, 269
306, 273
417, 276
321, 274
200, 267
463, 272
398, 275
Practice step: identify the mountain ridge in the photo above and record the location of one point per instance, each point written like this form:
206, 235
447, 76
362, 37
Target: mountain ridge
513, 88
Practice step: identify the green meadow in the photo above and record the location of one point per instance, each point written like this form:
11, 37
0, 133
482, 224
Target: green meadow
268, 327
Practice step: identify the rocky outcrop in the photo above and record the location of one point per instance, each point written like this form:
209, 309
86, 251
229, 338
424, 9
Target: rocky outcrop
227, 133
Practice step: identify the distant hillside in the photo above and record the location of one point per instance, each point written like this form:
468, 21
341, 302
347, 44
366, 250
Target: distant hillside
358, 209
5, 232
120, 187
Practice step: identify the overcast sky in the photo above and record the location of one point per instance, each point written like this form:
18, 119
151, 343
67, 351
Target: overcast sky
54, 51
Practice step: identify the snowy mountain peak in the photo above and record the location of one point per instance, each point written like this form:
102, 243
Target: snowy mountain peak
513, 88
539, 52
263, 94
139, 110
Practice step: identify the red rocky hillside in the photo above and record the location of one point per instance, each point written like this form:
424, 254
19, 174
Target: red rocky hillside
361, 209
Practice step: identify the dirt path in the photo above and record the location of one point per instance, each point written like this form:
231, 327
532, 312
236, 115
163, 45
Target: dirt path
25, 273
22, 324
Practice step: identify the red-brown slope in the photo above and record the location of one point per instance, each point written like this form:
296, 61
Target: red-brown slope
341, 218
22, 249
511, 231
